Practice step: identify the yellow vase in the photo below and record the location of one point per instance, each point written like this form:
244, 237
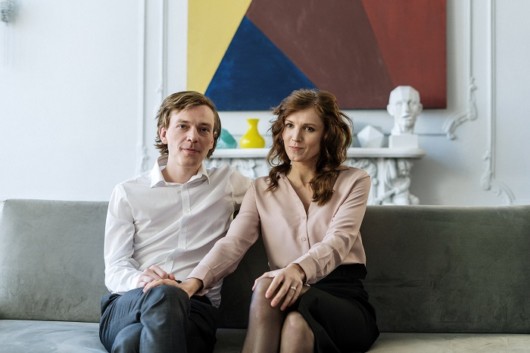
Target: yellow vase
252, 138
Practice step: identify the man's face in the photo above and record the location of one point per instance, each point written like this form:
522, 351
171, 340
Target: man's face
189, 135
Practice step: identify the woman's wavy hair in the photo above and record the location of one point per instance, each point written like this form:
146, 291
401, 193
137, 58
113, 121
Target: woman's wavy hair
181, 101
336, 139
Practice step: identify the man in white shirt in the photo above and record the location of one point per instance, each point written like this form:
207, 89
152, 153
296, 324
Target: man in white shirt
159, 226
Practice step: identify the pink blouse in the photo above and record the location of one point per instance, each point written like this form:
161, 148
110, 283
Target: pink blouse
319, 240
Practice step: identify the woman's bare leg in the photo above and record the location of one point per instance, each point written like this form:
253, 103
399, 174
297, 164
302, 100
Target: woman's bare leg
297, 336
265, 322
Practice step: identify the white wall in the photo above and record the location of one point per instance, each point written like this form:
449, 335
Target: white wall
68, 93
80, 82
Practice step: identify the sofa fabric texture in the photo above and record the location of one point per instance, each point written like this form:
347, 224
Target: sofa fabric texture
441, 278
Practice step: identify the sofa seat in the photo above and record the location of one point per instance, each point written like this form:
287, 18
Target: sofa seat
34, 336
23, 336
390, 342
231, 341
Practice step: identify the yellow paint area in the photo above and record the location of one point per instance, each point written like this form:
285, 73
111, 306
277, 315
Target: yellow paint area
211, 26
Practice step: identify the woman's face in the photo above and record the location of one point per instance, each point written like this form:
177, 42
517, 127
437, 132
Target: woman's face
302, 135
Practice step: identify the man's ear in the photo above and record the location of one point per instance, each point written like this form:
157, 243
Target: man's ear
162, 133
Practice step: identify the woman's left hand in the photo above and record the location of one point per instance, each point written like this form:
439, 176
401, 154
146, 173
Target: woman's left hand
286, 287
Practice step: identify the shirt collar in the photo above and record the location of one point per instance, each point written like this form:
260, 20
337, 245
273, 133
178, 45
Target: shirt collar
157, 178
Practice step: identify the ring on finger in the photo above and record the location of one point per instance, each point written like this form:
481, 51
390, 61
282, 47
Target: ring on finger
293, 288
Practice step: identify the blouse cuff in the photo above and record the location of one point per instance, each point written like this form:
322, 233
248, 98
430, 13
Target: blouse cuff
309, 266
203, 273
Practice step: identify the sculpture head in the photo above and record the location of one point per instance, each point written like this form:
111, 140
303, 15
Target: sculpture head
404, 105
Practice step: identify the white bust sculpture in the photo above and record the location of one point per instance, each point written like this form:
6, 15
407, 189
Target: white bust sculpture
404, 105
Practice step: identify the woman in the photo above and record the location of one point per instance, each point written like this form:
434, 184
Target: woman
308, 211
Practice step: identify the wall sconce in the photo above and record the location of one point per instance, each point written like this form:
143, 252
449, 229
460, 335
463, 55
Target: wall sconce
8, 10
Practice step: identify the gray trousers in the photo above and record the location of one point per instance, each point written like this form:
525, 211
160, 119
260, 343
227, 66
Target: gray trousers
163, 320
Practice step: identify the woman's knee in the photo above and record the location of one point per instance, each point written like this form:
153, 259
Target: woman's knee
297, 335
262, 284
295, 324
258, 295
260, 306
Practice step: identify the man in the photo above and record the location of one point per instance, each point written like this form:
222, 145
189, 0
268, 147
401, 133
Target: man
404, 105
159, 226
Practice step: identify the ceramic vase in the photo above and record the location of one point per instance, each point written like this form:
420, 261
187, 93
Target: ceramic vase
252, 138
226, 140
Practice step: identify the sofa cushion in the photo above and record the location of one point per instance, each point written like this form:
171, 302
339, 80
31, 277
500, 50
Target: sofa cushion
236, 293
51, 260
449, 269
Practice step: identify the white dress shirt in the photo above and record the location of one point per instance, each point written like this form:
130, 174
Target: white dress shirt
153, 222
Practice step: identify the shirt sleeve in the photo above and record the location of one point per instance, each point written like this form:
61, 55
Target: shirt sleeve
343, 231
228, 251
240, 185
121, 270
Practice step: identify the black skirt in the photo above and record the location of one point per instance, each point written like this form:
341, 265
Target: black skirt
338, 312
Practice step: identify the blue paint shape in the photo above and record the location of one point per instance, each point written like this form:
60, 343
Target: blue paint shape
253, 74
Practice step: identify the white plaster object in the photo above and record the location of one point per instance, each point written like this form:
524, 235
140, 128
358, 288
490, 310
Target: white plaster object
396, 178
370, 137
403, 141
404, 106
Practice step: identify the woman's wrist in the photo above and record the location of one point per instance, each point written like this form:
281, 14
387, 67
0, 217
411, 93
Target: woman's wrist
300, 271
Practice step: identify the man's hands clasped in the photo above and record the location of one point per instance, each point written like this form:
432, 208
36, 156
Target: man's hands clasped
154, 276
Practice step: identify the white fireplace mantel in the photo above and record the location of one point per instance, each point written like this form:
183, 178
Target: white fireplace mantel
389, 169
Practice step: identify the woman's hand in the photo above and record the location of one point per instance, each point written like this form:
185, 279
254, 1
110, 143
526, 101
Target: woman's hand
191, 286
286, 287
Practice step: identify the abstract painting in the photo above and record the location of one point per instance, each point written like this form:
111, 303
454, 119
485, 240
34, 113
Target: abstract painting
247, 55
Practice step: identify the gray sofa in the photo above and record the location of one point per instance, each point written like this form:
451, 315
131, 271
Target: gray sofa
442, 279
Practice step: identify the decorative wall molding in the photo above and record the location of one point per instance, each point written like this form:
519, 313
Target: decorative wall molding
488, 181
142, 154
161, 89
163, 72
470, 112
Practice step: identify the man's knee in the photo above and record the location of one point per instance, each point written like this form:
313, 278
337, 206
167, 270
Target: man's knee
171, 299
128, 339
167, 293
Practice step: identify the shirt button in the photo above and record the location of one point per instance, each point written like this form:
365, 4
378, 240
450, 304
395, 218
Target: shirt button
304, 238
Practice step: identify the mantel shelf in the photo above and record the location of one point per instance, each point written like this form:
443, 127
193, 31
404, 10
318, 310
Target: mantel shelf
354, 152
389, 169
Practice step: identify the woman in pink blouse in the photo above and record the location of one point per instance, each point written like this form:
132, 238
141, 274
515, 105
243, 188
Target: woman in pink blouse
308, 212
